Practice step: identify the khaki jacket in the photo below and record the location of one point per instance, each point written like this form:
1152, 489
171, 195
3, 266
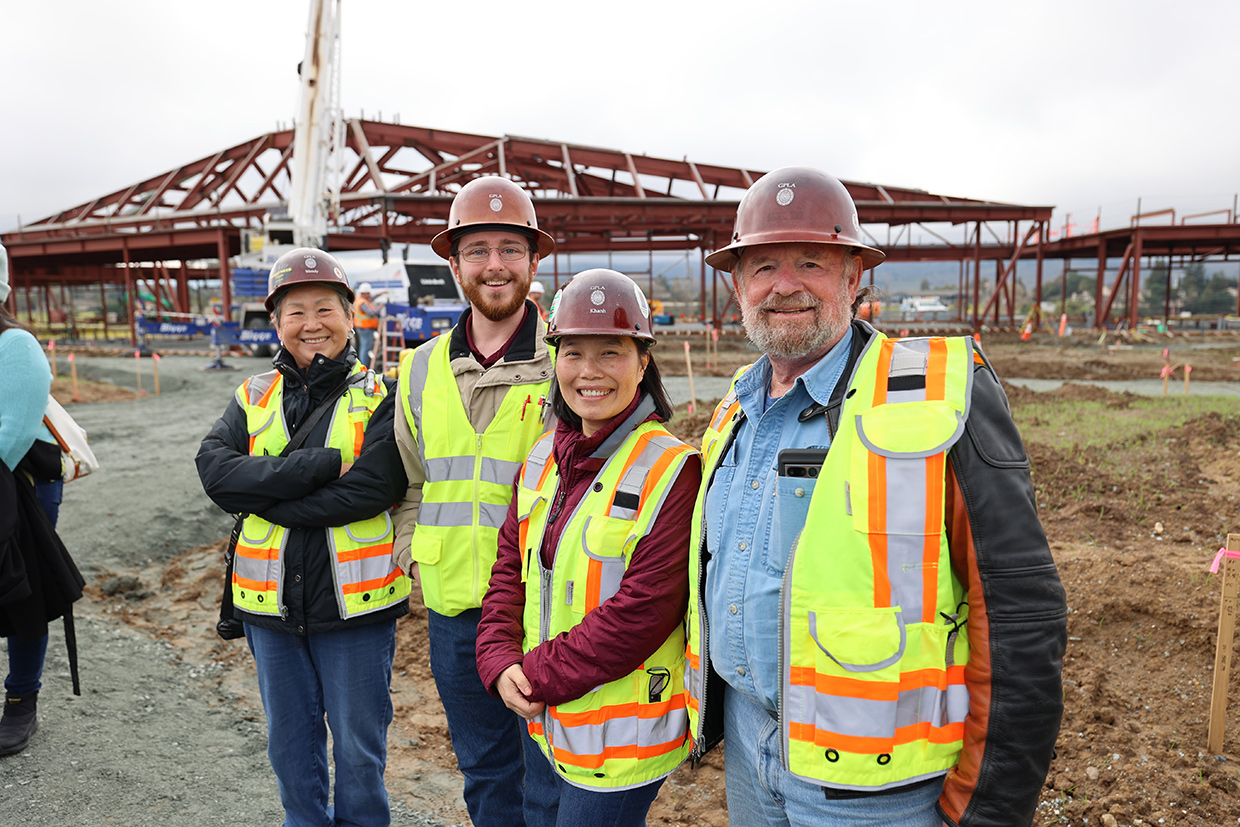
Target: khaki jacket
527, 362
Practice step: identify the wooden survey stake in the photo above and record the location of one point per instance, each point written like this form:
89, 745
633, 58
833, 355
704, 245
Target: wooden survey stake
689, 368
1223, 649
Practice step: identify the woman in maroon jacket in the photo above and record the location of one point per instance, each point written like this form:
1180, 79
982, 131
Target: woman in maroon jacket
607, 393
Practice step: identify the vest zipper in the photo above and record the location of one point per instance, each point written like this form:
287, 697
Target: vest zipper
476, 515
704, 621
545, 577
784, 609
703, 647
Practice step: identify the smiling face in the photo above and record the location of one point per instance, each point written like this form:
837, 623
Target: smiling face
496, 288
796, 299
312, 319
598, 376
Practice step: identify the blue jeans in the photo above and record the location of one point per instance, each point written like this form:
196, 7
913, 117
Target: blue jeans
508, 781
601, 808
26, 656
50, 494
365, 342
762, 792
344, 675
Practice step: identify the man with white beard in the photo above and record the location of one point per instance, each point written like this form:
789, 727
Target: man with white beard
875, 620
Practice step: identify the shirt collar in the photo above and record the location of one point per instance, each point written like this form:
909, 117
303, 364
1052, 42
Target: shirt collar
818, 381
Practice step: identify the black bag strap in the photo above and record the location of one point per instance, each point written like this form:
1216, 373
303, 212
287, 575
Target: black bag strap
304, 429
228, 627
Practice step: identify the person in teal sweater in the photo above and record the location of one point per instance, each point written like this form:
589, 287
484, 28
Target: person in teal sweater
27, 380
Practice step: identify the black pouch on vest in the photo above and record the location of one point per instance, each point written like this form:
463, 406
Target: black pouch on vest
229, 627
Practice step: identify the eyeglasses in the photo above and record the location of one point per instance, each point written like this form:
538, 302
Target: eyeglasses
480, 255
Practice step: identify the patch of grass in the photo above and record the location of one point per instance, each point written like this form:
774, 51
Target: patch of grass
1076, 423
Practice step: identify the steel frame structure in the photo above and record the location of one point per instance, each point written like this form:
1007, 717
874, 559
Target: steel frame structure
395, 184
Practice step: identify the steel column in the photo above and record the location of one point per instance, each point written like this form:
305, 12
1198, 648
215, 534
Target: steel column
1134, 287
977, 277
103, 305
1037, 284
225, 276
1099, 319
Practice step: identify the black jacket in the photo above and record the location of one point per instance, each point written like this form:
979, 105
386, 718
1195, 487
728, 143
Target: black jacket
304, 491
38, 579
1017, 619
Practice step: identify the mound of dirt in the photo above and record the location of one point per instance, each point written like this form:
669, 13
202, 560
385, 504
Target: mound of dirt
87, 391
1133, 527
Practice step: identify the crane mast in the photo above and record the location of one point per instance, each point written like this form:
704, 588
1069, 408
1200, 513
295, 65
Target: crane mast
314, 128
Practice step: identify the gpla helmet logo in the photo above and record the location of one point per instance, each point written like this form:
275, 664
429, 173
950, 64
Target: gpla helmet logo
497, 203
784, 194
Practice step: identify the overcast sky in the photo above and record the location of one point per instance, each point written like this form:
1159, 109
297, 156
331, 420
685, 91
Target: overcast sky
1082, 105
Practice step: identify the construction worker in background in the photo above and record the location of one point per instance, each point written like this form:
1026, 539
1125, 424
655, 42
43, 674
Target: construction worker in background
306, 454
875, 620
536, 296
604, 503
472, 404
365, 323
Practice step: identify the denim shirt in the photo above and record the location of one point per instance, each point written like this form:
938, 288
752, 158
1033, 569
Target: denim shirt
752, 519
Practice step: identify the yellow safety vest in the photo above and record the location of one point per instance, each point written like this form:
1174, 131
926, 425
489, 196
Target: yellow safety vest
365, 578
468, 476
632, 730
873, 692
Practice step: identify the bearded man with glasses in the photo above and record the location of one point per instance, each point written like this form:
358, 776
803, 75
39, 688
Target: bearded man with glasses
471, 400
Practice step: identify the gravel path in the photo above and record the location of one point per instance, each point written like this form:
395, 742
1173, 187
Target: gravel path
154, 739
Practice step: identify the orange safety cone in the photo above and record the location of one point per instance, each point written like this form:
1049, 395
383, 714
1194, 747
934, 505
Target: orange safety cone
1063, 324
1027, 333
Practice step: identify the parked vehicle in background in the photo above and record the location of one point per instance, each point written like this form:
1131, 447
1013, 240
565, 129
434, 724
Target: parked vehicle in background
924, 309
423, 295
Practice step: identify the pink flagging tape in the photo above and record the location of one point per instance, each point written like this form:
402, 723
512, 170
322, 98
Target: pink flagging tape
1218, 558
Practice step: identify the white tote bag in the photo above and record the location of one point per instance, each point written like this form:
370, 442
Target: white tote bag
77, 459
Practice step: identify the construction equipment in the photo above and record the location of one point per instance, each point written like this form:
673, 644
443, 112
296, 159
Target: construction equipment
390, 343
317, 131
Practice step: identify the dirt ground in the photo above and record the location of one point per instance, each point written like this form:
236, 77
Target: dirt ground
1133, 551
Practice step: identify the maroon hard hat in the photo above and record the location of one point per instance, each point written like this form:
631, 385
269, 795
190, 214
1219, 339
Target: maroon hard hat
492, 203
305, 265
599, 302
795, 204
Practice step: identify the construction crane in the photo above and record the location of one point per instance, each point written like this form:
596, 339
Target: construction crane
318, 127
313, 192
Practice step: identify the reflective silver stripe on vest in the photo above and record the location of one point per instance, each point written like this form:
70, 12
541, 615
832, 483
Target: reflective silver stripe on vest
617, 437
419, 370
634, 479
864, 718
906, 535
363, 569
461, 469
259, 384
537, 460
632, 730
490, 515
905, 475
262, 571
608, 449
909, 357
717, 421
611, 566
